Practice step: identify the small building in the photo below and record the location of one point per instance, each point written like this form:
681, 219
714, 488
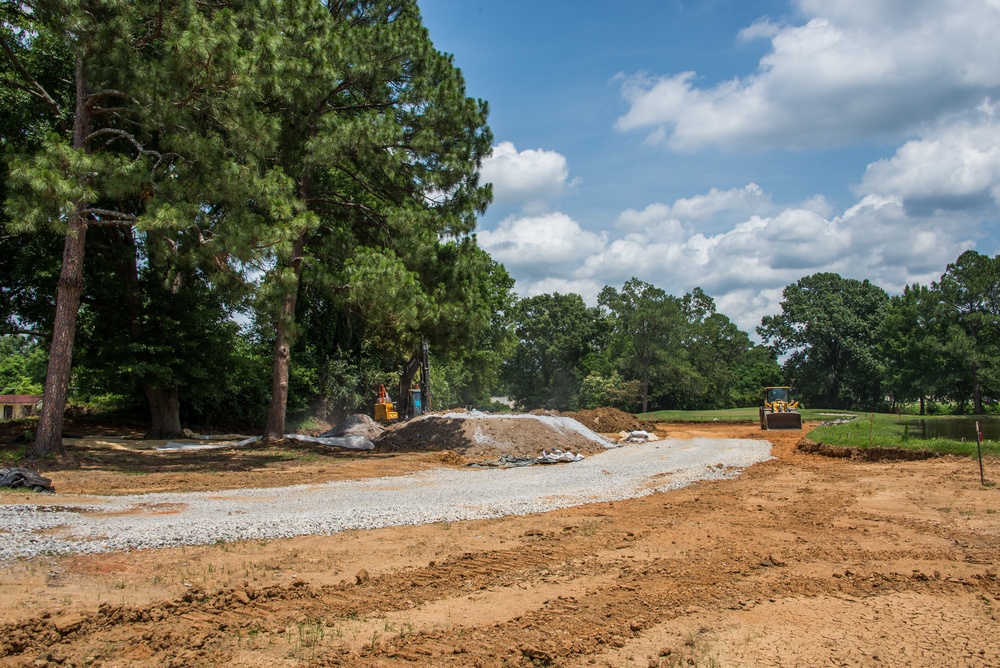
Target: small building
14, 406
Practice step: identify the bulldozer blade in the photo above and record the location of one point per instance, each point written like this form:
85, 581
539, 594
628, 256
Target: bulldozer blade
782, 421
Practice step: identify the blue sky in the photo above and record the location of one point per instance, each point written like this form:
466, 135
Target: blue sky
733, 145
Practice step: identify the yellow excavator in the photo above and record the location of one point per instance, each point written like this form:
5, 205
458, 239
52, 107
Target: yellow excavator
412, 400
780, 410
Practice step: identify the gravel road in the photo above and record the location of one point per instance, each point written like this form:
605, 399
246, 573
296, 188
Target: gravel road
69, 523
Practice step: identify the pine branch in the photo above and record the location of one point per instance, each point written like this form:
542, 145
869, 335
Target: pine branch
318, 111
113, 217
33, 333
94, 98
347, 204
118, 133
161, 157
363, 107
16, 83
139, 148
35, 87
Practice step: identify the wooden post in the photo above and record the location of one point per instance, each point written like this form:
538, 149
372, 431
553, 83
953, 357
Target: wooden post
979, 450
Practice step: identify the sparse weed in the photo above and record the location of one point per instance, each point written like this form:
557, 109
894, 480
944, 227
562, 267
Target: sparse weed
15, 455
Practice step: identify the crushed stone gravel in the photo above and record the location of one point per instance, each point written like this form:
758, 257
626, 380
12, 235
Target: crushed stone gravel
84, 525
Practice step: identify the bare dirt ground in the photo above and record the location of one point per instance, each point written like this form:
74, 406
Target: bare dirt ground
802, 561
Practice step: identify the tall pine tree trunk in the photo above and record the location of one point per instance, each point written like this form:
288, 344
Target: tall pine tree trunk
164, 411
275, 427
48, 438
977, 392
645, 389
163, 400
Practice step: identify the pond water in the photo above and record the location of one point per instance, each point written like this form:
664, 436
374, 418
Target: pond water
955, 429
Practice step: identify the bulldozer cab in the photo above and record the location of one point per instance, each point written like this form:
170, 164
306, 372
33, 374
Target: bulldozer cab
779, 394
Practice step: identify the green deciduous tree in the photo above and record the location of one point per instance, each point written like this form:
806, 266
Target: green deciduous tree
969, 291
612, 390
681, 352
555, 335
912, 343
22, 365
728, 369
829, 327
650, 325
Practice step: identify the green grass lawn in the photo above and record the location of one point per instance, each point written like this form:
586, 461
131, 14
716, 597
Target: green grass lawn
888, 430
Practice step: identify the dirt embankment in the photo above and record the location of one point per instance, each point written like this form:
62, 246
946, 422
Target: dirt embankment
606, 420
477, 437
874, 454
804, 560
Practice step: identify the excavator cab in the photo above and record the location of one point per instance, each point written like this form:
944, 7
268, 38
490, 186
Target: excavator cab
780, 410
385, 410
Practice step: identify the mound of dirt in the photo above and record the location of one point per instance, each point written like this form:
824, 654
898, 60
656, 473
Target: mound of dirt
480, 437
873, 454
606, 420
357, 425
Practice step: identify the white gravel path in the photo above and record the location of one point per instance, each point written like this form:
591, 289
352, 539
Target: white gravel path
71, 524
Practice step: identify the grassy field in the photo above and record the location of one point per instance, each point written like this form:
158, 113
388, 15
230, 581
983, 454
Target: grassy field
887, 430
890, 431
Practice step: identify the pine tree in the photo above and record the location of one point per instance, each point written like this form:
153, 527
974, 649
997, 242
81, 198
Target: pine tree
146, 139
384, 148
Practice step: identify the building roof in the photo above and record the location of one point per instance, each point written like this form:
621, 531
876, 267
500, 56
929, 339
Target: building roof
20, 398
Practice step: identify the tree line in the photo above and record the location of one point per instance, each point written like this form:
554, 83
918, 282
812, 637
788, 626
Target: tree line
843, 343
848, 344
639, 349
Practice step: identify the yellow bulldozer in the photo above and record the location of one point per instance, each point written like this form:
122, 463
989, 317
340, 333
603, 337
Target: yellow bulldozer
780, 410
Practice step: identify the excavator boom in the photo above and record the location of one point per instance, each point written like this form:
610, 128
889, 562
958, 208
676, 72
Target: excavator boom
412, 403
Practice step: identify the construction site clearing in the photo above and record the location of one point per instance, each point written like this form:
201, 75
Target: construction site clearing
802, 560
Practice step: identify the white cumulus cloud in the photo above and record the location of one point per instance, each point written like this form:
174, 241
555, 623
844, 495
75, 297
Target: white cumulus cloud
524, 177
749, 199
745, 266
955, 165
539, 246
849, 70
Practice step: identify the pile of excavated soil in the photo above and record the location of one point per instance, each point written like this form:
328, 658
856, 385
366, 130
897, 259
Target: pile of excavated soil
606, 420
357, 425
481, 437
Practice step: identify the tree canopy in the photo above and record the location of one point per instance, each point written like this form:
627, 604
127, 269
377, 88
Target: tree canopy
829, 328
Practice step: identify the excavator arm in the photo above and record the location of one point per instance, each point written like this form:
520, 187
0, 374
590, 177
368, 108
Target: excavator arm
405, 403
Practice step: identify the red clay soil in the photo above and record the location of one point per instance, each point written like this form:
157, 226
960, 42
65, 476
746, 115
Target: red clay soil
803, 560
606, 420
